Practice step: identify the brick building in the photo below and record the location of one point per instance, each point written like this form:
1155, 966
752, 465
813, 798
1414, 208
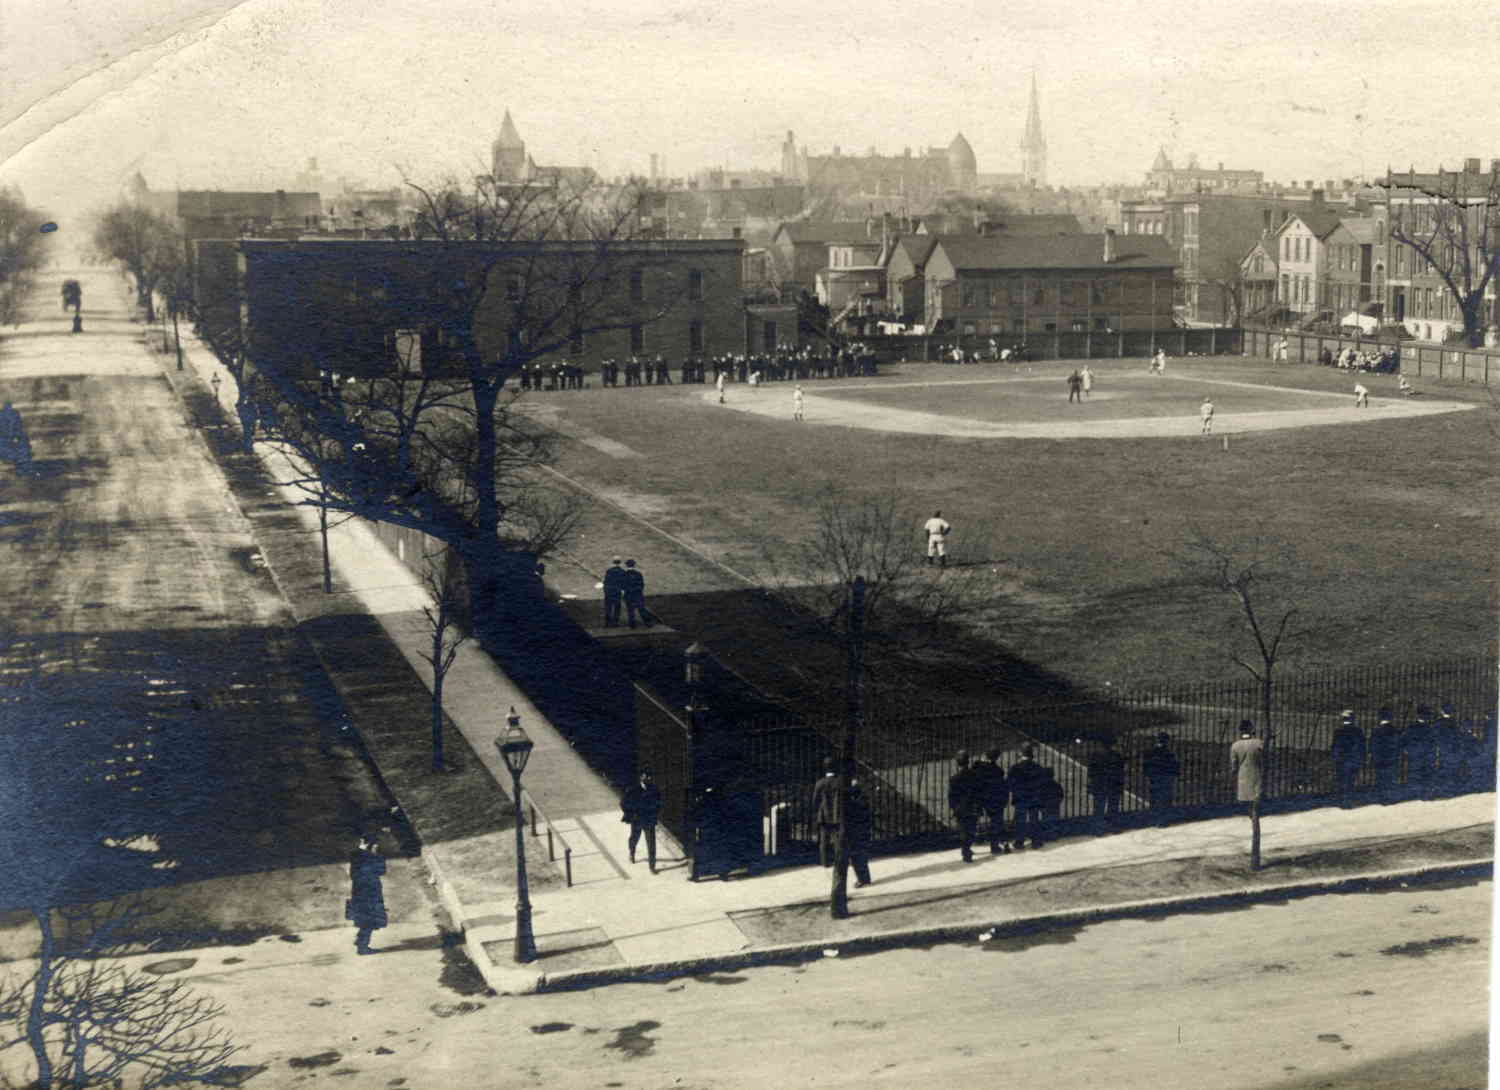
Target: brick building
1016, 285
358, 306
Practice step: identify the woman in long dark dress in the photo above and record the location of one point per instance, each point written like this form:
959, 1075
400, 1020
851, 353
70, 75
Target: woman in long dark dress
366, 906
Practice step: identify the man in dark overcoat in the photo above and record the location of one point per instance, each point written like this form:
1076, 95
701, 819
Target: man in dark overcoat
963, 800
640, 808
1348, 752
366, 904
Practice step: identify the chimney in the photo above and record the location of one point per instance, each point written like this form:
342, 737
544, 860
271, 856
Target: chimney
1317, 198
1109, 245
738, 232
1471, 166
1309, 184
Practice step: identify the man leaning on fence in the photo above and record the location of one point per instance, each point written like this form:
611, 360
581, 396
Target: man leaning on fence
1161, 769
1385, 755
1107, 783
1348, 752
994, 793
1025, 790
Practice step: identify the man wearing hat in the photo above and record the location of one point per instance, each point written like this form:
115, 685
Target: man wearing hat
1247, 764
614, 592
1419, 743
635, 596
963, 800
1385, 755
993, 789
1161, 768
825, 811
1348, 752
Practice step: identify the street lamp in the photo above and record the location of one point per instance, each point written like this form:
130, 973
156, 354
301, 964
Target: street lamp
693, 659
515, 749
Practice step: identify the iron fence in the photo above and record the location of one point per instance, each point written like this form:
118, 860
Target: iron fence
905, 755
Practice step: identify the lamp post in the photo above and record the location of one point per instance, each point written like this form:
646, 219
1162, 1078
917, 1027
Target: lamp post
693, 659
515, 749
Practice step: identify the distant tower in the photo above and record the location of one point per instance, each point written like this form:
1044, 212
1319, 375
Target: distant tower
508, 153
789, 164
1033, 144
962, 165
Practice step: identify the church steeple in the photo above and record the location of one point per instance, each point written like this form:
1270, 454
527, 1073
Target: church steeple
1033, 144
508, 153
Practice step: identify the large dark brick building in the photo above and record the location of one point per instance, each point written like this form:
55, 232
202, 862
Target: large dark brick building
360, 307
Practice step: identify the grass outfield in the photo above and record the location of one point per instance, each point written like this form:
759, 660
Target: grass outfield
1391, 521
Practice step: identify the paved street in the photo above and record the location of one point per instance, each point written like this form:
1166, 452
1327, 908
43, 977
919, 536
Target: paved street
126, 558
1356, 991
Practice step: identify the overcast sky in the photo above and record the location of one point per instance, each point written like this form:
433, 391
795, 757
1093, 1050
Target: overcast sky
203, 94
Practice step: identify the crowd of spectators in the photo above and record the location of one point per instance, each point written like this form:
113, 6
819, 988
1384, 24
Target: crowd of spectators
1386, 361
836, 361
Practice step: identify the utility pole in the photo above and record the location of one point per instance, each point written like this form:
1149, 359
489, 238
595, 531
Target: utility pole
853, 715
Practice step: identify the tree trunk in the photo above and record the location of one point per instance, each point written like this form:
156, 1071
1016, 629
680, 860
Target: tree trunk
1473, 322
36, 1025
505, 595
854, 712
323, 533
437, 703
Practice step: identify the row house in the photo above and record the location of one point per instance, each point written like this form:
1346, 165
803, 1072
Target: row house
1017, 285
801, 247
1416, 294
1327, 266
1211, 233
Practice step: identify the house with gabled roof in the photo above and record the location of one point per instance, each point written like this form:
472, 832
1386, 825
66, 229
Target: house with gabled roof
801, 246
1325, 262
1023, 284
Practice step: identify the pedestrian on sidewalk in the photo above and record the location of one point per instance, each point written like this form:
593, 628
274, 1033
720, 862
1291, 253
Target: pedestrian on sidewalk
635, 596
614, 592
963, 800
1161, 769
640, 808
825, 813
1385, 755
1106, 770
1049, 798
861, 822
1419, 743
1348, 752
366, 904
1025, 780
1247, 765
994, 793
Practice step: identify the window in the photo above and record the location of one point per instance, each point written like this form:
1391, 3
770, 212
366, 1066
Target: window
695, 337
1096, 293
1015, 293
1037, 293
695, 284
970, 294
1050, 327
767, 335
1067, 293
1101, 323
1080, 325
1286, 248
637, 339
637, 285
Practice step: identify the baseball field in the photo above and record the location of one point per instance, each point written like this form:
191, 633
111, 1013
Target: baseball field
1069, 516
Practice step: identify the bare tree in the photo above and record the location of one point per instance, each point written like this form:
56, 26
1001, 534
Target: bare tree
1451, 223
142, 242
89, 1019
443, 579
1255, 573
859, 578
498, 276
21, 253
1228, 277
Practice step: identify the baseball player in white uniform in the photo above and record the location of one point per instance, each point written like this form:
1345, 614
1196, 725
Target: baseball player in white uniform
937, 529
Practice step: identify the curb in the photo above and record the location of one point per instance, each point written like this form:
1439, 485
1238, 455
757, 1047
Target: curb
514, 980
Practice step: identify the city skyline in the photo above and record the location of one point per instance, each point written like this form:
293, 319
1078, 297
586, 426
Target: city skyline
214, 95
